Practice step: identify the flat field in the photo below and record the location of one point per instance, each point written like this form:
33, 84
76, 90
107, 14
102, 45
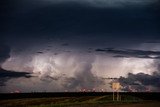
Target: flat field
78, 100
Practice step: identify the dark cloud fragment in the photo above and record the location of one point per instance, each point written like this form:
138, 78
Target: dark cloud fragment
7, 75
49, 46
120, 56
131, 53
56, 53
12, 74
40, 52
65, 44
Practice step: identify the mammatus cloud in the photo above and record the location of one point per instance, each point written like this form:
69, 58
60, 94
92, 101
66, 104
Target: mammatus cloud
131, 53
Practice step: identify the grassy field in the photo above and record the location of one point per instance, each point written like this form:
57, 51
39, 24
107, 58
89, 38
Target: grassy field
79, 101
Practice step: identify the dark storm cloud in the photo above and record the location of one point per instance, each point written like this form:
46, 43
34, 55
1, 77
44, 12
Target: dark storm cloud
71, 19
12, 74
131, 53
40, 52
7, 75
72, 25
140, 81
78, 24
4, 53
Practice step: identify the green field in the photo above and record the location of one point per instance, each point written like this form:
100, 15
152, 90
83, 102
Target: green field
84, 101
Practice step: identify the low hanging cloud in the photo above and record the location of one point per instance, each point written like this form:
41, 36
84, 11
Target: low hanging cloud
127, 53
7, 75
140, 82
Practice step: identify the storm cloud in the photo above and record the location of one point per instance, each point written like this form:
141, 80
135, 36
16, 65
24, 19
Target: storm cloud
68, 19
54, 42
85, 78
131, 53
140, 82
7, 75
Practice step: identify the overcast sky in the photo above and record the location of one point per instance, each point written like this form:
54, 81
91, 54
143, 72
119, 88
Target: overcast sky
58, 45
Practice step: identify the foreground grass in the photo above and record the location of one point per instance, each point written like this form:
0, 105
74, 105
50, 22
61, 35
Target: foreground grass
85, 101
142, 104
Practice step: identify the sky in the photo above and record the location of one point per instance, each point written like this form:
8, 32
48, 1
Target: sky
71, 45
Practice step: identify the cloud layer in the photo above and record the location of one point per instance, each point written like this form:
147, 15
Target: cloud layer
106, 3
131, 53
